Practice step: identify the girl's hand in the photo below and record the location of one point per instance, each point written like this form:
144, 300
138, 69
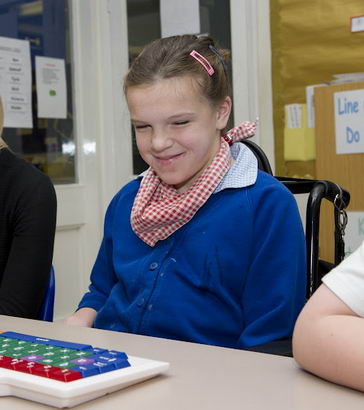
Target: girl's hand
84, 317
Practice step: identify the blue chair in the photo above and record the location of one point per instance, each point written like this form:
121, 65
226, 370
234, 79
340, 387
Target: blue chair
46, 311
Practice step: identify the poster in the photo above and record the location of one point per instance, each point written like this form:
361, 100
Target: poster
16, 83
50, 74
349, 121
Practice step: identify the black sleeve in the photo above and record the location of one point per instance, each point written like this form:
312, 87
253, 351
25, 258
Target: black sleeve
27, 270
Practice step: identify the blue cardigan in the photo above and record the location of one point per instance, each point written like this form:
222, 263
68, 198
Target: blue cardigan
234, 276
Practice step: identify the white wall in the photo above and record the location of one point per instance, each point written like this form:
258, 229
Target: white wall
264, 79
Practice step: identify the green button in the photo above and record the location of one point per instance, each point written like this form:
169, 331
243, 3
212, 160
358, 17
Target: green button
6, 345
71, 355
65, 364
36, 345
81, 353
18, 348
66, 357
50, 347
16, 355
37, 351
8, 340
66, 351
50, 355
22, 342
47, 361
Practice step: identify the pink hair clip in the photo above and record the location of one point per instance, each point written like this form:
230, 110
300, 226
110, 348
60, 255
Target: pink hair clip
203, 61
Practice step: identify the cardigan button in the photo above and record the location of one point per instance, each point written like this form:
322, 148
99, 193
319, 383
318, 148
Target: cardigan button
141, 302
153, 265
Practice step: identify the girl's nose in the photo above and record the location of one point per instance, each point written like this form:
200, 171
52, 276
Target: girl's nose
161, 140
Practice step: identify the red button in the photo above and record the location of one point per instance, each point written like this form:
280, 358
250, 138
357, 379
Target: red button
11, 364
44, 370
27, 367
65, 375
5, 361
18, 363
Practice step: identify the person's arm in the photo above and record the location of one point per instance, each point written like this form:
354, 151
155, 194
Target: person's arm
328, 340
102, 278
33, 222
275, 287
83, 317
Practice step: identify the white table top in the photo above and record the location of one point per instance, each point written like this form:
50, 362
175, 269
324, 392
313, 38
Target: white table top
200, 377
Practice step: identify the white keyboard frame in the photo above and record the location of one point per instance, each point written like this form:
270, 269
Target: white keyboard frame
68, 394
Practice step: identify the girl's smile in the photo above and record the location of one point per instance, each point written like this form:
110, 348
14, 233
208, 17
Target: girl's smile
168, 160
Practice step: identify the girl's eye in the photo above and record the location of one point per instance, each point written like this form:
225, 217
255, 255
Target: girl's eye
181, 122
141, 127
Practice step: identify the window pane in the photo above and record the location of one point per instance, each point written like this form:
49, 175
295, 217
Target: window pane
50, 144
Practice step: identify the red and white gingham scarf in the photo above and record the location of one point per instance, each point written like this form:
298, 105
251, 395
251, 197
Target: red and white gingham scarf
159, 209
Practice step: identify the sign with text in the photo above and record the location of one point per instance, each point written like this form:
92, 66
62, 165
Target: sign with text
16, 82
349, 121
50, 74
354, 232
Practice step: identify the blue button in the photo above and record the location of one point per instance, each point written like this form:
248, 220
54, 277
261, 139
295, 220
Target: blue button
141, 302
153, 265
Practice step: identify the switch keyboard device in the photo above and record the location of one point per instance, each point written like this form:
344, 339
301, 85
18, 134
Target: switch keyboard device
64, 374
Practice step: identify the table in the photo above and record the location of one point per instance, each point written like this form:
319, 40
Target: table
200, 377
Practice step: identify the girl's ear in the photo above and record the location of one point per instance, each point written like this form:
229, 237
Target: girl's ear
223, 113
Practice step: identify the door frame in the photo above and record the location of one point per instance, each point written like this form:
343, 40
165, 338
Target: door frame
252, 79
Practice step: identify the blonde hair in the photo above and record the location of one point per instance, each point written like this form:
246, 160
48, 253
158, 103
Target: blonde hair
170, 57
2, 143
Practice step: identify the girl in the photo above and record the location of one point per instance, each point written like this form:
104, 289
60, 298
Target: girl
202, 247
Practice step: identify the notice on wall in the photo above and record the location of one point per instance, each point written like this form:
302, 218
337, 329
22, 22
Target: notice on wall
354, 232
293, 115
50, 77
179, 17
311, 104
349, 121
16, 83
357, 24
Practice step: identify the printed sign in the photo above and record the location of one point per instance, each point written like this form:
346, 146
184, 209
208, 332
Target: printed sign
349, 121
293, 115
357, 24
15, 83
51, 87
